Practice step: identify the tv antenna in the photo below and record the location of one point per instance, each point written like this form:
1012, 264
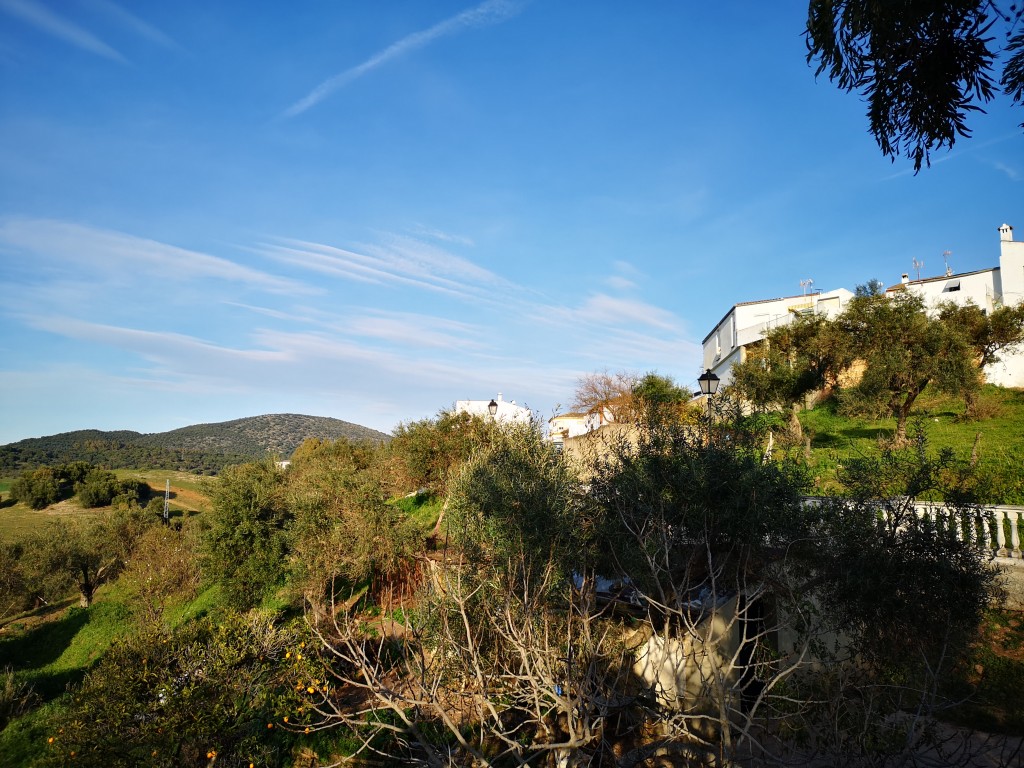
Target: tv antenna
806, 284
945, 258
917, 266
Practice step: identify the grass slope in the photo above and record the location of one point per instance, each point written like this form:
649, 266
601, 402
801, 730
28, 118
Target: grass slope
999, 437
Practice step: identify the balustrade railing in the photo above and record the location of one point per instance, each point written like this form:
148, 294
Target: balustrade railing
995, 529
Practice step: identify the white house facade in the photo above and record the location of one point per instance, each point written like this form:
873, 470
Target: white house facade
747, 323
505, 410
1001, 286
569, 425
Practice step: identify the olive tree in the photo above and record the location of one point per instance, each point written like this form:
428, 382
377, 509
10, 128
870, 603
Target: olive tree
81, 555
902, 350
988, 335
245, 544
792, 362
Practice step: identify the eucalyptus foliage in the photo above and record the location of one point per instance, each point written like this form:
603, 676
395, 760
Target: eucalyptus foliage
922, 66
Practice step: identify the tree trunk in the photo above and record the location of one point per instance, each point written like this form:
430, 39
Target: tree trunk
795, 430
901, 410
900, 438
971, 397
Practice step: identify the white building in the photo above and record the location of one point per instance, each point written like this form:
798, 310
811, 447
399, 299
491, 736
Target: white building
987, 288
748, 322
568, 425
504, 410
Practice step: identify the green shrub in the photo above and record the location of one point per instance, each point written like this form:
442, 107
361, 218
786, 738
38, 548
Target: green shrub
233, 691
98, 489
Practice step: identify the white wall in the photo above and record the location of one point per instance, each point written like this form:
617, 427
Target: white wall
748, 323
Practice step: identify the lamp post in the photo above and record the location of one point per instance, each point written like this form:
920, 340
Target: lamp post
492, 408
708, 386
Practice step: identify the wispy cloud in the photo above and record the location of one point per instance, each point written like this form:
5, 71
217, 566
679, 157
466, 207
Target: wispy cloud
409, 330
45, 20
603, 310
55, 241
626, 278
619, 283
395, 259
162, 347
415, 330
1013, 174
488, 12
133, 23
444, 237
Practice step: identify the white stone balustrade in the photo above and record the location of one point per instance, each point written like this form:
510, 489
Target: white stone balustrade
993, 529
978, 526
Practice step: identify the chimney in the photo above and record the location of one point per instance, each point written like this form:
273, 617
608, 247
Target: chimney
1006, 233
499, 398
905, 278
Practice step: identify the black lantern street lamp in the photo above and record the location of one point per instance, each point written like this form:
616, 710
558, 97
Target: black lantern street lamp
708, 387
708, 383
492, 408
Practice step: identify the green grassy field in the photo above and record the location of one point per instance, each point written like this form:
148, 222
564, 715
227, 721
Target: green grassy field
1000, 447
189, 494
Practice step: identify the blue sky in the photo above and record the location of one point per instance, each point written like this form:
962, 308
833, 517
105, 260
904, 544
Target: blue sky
369, 210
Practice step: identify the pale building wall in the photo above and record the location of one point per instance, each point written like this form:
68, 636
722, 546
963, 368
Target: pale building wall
970, 288
681, 669
749, 322
1011, 267
988, 289
507, 412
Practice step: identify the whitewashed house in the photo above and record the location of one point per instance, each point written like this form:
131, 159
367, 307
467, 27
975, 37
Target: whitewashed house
568, 425
500, 409
987, 288
748, 322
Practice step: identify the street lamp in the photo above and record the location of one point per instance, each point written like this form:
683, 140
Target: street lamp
492, 408
708, 383
708, 386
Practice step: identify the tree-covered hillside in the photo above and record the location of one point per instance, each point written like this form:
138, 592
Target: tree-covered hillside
198, 448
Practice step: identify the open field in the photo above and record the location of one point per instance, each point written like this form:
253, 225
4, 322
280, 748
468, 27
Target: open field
189, 494
998, 438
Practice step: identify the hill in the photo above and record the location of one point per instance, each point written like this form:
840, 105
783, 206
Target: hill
277, 434
197, 448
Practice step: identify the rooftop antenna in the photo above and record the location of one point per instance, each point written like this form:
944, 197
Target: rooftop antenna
945, 258
806, 284
917, 266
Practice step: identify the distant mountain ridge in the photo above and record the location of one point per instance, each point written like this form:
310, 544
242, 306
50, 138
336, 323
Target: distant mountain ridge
275, 434
200, 447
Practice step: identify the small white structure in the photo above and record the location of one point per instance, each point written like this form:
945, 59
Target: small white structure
568, 425
503, 411
748, 322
